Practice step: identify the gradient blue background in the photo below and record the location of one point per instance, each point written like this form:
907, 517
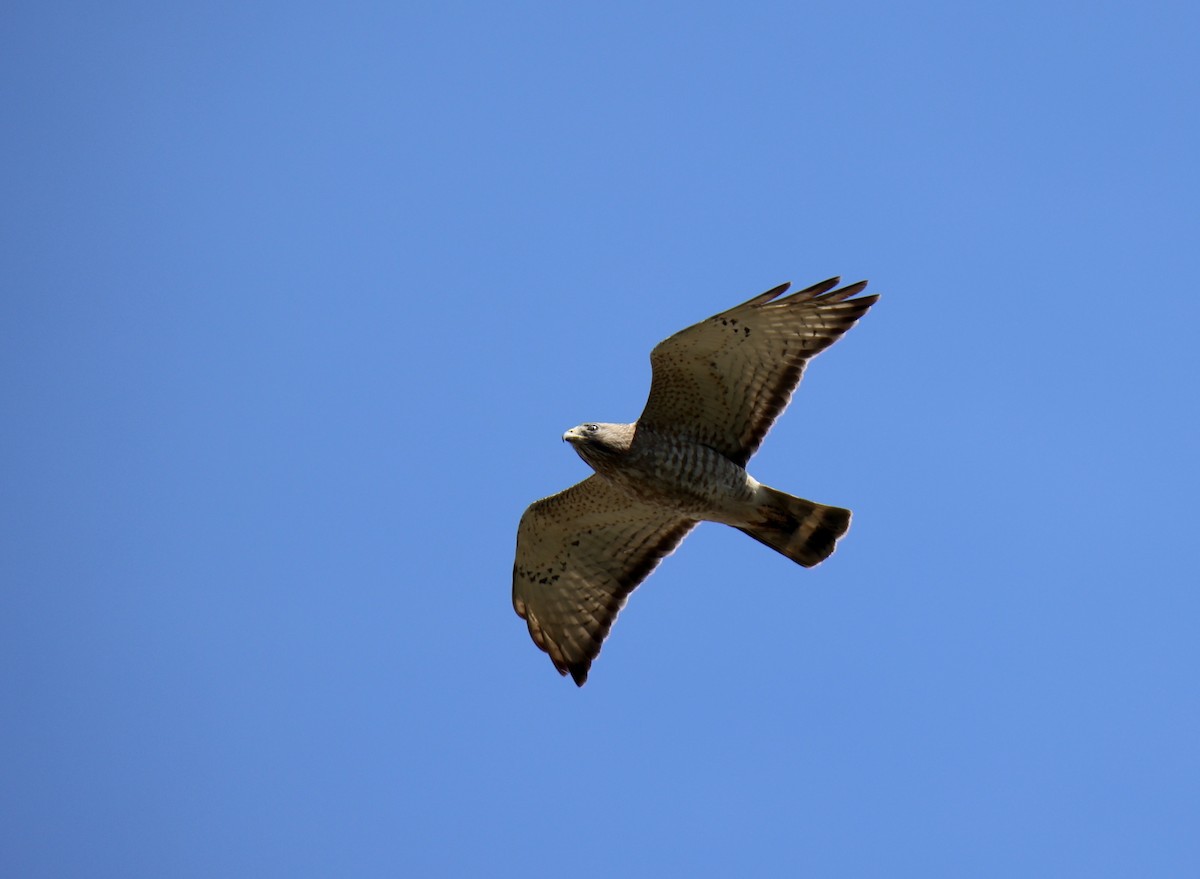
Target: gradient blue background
298, 299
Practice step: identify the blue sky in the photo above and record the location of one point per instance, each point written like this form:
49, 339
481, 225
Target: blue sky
298, 300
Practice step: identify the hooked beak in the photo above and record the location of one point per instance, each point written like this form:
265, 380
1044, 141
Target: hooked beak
573, 435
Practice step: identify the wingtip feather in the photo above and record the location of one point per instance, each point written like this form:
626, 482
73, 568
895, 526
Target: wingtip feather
845, 292
773, 293
818, 288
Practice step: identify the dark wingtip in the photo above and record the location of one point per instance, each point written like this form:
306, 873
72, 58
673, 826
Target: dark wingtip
843, 293
579, 672
764, 298
852, 289
818, 288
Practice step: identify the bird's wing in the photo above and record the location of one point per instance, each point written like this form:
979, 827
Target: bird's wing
579, 555
724, 381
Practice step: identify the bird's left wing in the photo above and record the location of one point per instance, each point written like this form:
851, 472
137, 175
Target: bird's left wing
722, 382
579, 555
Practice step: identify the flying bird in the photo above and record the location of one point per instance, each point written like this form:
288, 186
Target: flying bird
717, 387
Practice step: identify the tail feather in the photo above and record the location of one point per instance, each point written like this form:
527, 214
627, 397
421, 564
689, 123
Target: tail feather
805, 532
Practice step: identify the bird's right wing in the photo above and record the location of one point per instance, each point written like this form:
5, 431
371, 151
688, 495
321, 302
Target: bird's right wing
579, 555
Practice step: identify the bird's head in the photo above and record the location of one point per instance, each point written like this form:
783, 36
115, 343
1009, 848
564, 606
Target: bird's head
599, 444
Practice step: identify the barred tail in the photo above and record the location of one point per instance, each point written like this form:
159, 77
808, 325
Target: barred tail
803, 531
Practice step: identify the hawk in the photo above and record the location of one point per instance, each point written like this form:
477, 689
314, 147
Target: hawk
716, 389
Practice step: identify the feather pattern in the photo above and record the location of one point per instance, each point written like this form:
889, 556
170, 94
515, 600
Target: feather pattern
723, 382
579, 554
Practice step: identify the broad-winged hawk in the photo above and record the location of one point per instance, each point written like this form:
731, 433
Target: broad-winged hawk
716, 389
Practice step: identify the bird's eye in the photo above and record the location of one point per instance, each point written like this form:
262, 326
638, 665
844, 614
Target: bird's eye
591, 428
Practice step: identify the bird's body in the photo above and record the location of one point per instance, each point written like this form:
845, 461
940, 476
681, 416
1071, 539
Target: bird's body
670, 472
717, 387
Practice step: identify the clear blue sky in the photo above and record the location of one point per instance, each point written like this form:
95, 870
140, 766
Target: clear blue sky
299, 298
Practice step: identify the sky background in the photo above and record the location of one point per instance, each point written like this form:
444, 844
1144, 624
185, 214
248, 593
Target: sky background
297, 300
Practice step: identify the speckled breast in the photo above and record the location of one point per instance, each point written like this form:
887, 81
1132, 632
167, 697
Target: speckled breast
685, 476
